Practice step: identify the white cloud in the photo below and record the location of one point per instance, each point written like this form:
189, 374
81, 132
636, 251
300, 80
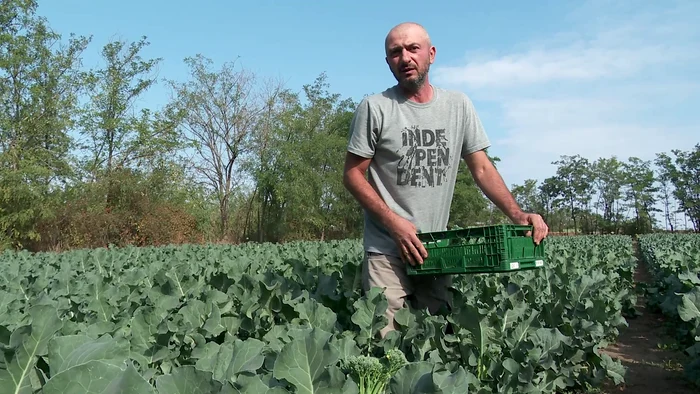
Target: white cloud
580, 62
609, 86
614, 47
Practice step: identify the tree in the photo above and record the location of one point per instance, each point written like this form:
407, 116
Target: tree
470, 206
663, 176
300, 180
264, 207
527, 196
117, 135
609, 179
221, 110
640, 193
572, 185
38, 93
684, 173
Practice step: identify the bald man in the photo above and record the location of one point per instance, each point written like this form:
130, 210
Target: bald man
410, 138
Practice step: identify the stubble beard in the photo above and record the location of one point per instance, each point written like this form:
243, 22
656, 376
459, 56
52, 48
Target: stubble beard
413, 85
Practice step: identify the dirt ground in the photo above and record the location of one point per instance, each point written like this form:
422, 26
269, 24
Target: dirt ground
653, 368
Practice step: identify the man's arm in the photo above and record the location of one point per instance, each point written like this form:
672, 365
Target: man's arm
491, 183
402, 230
356, 183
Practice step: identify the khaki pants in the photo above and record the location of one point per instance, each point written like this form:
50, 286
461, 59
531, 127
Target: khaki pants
389, 273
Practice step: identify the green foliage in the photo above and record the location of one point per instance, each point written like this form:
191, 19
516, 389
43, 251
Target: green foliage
221, 112
609, 180
527, 196
684, 174
470, 207
291, 318
297, 168
114, 139
674, 262
614, 196
237, 157
641, 193
572, 186
37, 98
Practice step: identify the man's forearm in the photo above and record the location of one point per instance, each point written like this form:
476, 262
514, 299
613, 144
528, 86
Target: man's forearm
491, 183
368, 198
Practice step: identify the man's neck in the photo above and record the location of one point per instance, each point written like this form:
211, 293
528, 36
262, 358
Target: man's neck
423, 95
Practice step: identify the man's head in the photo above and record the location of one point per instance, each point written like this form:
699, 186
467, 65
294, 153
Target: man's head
409, 54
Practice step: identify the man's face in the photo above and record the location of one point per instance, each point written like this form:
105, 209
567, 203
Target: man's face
409, 56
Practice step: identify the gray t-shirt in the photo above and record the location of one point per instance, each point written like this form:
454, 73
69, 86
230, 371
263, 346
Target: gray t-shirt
416, 149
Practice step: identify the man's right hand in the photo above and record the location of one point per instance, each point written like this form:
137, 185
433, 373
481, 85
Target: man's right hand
402, 231
404, 234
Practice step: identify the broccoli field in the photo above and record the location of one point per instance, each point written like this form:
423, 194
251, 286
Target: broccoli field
290, 318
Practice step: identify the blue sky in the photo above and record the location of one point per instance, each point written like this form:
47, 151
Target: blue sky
547, 78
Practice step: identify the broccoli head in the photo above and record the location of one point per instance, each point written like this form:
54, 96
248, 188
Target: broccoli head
372, 373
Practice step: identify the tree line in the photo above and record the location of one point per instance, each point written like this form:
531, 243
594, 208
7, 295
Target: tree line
613, 195
234, 156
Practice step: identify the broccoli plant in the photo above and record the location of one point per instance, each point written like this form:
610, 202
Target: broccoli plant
372, 373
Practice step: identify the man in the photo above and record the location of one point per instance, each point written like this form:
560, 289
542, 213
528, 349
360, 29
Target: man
410, 138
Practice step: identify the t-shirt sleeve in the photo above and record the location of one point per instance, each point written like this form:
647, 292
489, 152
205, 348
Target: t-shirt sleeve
475, 138
364, 131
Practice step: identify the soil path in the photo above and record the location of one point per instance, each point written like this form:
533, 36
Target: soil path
651, 369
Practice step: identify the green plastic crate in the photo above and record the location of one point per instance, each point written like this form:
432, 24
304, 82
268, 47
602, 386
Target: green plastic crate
483, 249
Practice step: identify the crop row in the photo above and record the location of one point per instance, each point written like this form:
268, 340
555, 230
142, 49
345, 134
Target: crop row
674, 263
291, 319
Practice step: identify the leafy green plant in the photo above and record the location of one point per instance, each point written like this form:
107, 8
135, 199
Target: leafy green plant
290, 318
674, 262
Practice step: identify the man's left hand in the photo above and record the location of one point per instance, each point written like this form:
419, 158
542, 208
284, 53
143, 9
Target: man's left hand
536, 221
